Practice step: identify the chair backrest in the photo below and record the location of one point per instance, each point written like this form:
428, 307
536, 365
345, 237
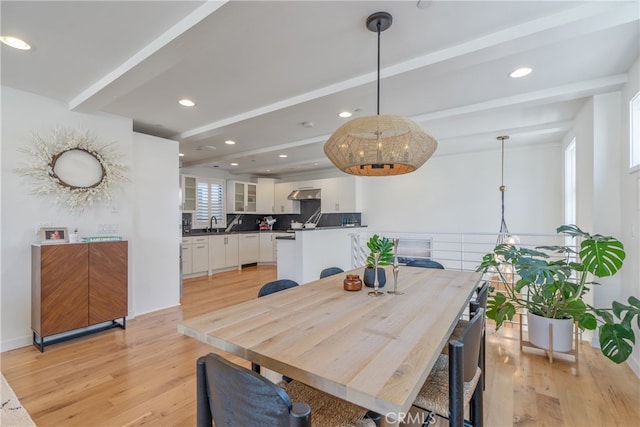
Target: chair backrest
483, 294
276, 286
425, 263
330, 271
471, 339
238, 396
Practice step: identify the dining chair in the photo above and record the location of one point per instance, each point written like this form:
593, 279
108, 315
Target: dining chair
268, 289
231, 395
276, 286
425, 263
330, 271
452, 384
479, 302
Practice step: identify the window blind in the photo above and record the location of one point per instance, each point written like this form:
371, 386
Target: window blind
210, 202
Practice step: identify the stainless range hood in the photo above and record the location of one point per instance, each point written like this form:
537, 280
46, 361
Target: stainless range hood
305, 194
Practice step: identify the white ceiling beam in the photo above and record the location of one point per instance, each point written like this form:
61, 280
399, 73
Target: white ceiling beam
98, 94
554, 94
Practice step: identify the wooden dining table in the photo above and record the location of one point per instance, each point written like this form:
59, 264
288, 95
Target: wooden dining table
375, 352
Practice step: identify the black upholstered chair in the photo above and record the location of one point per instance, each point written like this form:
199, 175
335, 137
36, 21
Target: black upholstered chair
425, 263
231, 395
452, 384
276, 286
330, 271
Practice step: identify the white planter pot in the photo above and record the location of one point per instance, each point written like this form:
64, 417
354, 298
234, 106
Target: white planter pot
539, 332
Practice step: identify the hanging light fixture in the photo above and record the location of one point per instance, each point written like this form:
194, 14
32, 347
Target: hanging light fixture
382, 144
503, 234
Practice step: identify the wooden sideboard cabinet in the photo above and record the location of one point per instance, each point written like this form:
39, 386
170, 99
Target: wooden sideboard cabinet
76, 285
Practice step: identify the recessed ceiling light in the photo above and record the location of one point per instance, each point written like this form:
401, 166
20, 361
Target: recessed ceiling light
229, 142
283, 156
234, 164
520, 72
15, 42
344, 114
185, 102
181, 154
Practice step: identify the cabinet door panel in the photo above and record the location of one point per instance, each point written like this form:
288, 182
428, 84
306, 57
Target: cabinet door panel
231, 251
217, 249
63, 285
108, 281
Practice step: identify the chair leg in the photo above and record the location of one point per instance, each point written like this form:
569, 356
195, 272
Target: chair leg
477, 405
483, 355
375, 417
203, 412
456, 385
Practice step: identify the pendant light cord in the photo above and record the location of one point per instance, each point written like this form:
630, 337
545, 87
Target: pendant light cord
378, 101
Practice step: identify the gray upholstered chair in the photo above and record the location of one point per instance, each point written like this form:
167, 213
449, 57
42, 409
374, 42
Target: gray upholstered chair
231, 395
330, 271
425, 263
452, 384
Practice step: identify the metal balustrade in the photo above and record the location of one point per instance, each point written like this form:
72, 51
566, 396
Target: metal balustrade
455, 251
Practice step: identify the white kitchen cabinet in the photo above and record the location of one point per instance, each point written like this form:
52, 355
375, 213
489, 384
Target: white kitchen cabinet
338, 194
269, 247
249, 250
189, 199
266, 248
242, 197
186, 258
275, 244
233, 251
223, 251
265, 196
282, 204
199, 254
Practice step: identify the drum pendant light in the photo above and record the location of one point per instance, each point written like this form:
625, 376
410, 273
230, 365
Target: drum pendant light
379, 145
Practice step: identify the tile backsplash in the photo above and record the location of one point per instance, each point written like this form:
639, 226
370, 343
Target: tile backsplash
307, 209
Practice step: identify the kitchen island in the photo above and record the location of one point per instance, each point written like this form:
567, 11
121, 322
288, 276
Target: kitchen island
303, 257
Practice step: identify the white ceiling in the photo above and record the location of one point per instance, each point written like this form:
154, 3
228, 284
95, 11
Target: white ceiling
258, 69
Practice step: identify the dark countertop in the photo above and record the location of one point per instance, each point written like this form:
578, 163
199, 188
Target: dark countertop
200, 232
334, 227
195, 233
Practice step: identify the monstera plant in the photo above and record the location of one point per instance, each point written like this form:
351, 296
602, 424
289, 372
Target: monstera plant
555, 287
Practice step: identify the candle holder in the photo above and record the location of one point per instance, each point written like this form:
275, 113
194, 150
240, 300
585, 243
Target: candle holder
375, 292
396, 268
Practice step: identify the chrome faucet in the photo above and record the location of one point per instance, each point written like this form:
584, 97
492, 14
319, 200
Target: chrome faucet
213, 218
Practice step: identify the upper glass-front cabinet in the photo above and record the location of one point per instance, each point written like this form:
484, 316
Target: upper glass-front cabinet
244, 196
189, 194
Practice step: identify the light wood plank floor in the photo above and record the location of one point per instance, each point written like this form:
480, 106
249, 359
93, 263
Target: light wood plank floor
146, 374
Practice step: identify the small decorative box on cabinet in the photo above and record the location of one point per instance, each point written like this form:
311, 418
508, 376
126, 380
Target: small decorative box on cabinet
75, 286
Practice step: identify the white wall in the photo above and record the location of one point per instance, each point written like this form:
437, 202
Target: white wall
22, 115
157, 220
460, 193
630, 205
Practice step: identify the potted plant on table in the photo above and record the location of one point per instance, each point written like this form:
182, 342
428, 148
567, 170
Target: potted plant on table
555, 289
382, 248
